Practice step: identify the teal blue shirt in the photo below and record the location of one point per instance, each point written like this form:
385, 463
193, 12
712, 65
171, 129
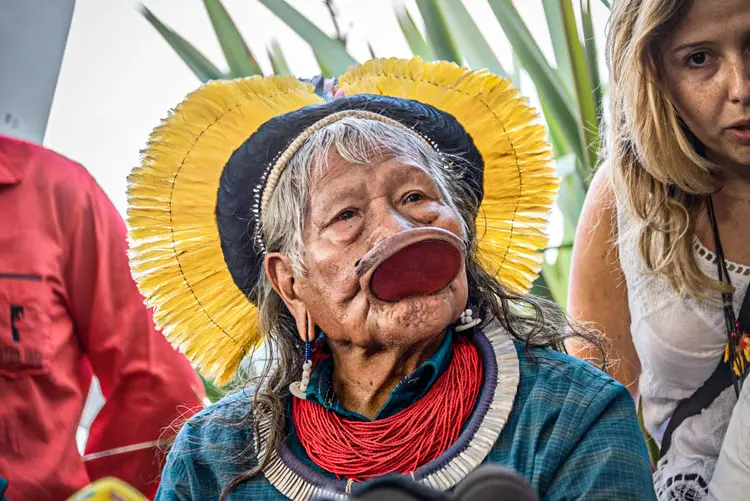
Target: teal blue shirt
3, 487
572, 432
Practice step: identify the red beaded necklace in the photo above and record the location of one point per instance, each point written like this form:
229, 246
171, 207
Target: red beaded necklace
401, 443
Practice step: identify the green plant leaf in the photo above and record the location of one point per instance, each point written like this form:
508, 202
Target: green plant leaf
548, 84
589, 120
540, 288
469, 39
607, 4
278, 60
562, 276
557, 273
197, 62
438, 35
414, 38
241, 61
589, 40
213, 392
572, 192
331, 54
371, 50
555, 278
553, 13
515, 75
556, 136
324, 68
564, 245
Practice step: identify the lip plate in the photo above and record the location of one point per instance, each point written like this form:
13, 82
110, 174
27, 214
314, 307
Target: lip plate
443, 245
423, 268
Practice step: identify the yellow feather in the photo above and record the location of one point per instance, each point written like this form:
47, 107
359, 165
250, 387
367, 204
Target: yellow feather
175, 250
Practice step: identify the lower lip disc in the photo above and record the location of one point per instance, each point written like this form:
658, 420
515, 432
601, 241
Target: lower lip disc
420, 269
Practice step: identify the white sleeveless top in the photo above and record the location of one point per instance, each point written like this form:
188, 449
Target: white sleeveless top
680, 341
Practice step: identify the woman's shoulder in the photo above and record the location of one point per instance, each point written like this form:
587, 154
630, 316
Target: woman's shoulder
601, 190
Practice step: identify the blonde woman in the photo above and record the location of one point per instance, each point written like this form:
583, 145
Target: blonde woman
662, 256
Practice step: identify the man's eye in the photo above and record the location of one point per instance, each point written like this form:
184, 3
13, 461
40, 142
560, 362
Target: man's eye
345, 215
413, 197
697, 59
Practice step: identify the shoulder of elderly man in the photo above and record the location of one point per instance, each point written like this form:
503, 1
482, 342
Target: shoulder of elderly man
572, 431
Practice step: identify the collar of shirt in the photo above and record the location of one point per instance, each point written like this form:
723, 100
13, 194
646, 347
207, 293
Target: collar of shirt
409, 390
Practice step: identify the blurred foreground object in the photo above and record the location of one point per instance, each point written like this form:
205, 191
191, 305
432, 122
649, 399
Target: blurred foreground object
490, 482
32, 43
69, 310
108, 489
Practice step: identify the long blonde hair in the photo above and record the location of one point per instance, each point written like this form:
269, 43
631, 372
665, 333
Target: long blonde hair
658, 171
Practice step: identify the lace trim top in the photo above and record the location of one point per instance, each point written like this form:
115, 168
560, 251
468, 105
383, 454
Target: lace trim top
702, 251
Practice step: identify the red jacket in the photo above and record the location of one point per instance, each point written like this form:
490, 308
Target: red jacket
69, 309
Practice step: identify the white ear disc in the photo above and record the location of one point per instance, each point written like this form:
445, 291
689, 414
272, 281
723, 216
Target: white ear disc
467, 322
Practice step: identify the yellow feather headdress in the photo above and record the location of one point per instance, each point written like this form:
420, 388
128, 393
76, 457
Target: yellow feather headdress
176, 253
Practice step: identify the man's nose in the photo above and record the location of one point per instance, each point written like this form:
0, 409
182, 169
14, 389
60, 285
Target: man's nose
387, 221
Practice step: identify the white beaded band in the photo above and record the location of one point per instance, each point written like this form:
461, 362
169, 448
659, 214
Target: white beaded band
288, 153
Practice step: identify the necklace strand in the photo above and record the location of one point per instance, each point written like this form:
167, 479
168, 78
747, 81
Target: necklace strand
734, 353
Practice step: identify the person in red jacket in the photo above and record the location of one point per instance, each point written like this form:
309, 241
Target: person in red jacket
69, 310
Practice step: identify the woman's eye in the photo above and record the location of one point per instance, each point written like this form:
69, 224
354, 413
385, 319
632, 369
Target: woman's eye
413, 197
697, 59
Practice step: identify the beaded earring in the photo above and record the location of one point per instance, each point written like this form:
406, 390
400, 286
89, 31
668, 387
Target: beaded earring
467, 321
299, 388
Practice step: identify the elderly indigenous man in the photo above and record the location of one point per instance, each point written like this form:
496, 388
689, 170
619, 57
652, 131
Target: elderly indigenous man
379, 244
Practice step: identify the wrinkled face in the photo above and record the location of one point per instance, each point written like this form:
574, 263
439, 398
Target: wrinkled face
351, 209
707, 66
